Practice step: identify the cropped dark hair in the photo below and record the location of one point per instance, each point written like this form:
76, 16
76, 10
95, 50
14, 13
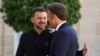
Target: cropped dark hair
37, 9
59, 9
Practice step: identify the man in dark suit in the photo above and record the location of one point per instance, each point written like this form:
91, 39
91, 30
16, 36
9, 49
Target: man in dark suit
64, 42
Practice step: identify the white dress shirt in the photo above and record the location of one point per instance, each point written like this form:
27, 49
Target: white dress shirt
60, 25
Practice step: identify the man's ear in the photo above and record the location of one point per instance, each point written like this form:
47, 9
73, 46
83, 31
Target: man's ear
55, 16
32, 20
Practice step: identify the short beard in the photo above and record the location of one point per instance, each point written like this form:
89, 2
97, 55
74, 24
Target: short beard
39, 27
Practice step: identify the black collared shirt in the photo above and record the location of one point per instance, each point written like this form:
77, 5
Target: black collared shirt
32, 44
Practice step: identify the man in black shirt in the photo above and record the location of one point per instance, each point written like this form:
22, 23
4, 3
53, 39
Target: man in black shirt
36, 42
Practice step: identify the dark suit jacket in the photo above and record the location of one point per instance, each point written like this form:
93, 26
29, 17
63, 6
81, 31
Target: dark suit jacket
64, 43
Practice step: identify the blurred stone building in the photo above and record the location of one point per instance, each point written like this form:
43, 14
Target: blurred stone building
88, 30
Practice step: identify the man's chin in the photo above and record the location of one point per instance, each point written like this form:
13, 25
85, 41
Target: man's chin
41, 28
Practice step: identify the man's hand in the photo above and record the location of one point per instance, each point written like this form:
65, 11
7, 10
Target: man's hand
85, 49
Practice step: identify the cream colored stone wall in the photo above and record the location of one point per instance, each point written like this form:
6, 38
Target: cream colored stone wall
1, 37
6, 39
89, 26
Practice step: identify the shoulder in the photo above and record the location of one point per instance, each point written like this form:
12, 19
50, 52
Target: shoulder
29, 32
67, 29
26, 34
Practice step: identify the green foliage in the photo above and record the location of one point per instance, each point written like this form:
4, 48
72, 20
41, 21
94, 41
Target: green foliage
17, 12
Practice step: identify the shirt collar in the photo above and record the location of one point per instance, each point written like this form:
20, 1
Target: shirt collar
60, 25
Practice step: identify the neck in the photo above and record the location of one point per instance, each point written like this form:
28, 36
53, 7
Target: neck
58, 22
39, 31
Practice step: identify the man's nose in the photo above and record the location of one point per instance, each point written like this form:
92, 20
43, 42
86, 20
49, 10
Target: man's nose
42, 19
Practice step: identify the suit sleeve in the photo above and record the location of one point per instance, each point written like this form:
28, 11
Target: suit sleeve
62, 43
20, 49
79, 53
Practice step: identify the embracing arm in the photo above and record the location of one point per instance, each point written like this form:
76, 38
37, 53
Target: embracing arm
84, 51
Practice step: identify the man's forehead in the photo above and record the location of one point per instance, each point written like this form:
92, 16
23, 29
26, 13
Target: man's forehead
40, 13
